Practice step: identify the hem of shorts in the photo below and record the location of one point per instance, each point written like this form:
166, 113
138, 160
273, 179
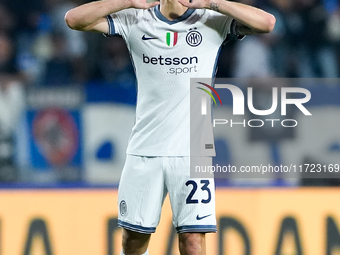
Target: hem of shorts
197, 229
136, 228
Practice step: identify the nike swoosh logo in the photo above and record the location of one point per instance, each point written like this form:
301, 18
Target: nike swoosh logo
144, 38
201, 218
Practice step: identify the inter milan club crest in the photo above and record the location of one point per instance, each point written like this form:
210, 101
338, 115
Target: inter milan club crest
194, 38
171, 38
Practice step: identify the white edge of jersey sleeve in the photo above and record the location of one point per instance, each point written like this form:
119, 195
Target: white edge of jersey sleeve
120, 22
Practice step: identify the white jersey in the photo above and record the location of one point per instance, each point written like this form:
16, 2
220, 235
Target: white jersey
166, 54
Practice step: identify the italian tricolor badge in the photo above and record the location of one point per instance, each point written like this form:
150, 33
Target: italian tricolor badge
171, 38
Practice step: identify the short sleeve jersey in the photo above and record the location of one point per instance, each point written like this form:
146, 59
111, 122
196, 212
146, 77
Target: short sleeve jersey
165, 55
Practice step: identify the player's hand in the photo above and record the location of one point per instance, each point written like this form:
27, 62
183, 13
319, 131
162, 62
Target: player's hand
142, 4
196, 4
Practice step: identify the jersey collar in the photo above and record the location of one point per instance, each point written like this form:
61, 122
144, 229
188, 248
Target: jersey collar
170, 22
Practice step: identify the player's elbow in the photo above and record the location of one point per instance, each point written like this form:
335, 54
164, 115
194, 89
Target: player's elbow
71, 20
266, 25
270, 23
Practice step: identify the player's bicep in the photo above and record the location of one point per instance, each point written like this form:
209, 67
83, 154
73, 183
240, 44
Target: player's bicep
241, 29
100, 26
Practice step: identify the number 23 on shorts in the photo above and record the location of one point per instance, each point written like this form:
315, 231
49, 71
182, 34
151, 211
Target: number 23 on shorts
204, 187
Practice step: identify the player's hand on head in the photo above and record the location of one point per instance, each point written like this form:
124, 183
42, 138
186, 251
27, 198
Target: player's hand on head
196, 4
142, 4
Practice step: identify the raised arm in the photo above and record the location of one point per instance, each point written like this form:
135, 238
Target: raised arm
250, 20
91, 16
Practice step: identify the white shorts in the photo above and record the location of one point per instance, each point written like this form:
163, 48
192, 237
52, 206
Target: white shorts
144, 185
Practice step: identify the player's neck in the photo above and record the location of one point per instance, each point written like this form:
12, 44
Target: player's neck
172, 9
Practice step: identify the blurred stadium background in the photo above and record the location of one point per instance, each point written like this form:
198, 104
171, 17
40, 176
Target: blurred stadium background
67, 102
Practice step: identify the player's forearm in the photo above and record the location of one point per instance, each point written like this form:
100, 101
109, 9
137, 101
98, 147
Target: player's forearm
256, 19
86, 16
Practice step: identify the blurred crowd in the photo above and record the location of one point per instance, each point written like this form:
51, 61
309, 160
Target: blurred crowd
311, 32
305, 42
45, 52
37, 49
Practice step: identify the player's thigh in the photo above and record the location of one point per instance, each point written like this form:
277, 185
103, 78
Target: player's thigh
141, 194
192, 199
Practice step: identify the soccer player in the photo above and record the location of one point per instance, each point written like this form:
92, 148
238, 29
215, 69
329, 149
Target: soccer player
170, 42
